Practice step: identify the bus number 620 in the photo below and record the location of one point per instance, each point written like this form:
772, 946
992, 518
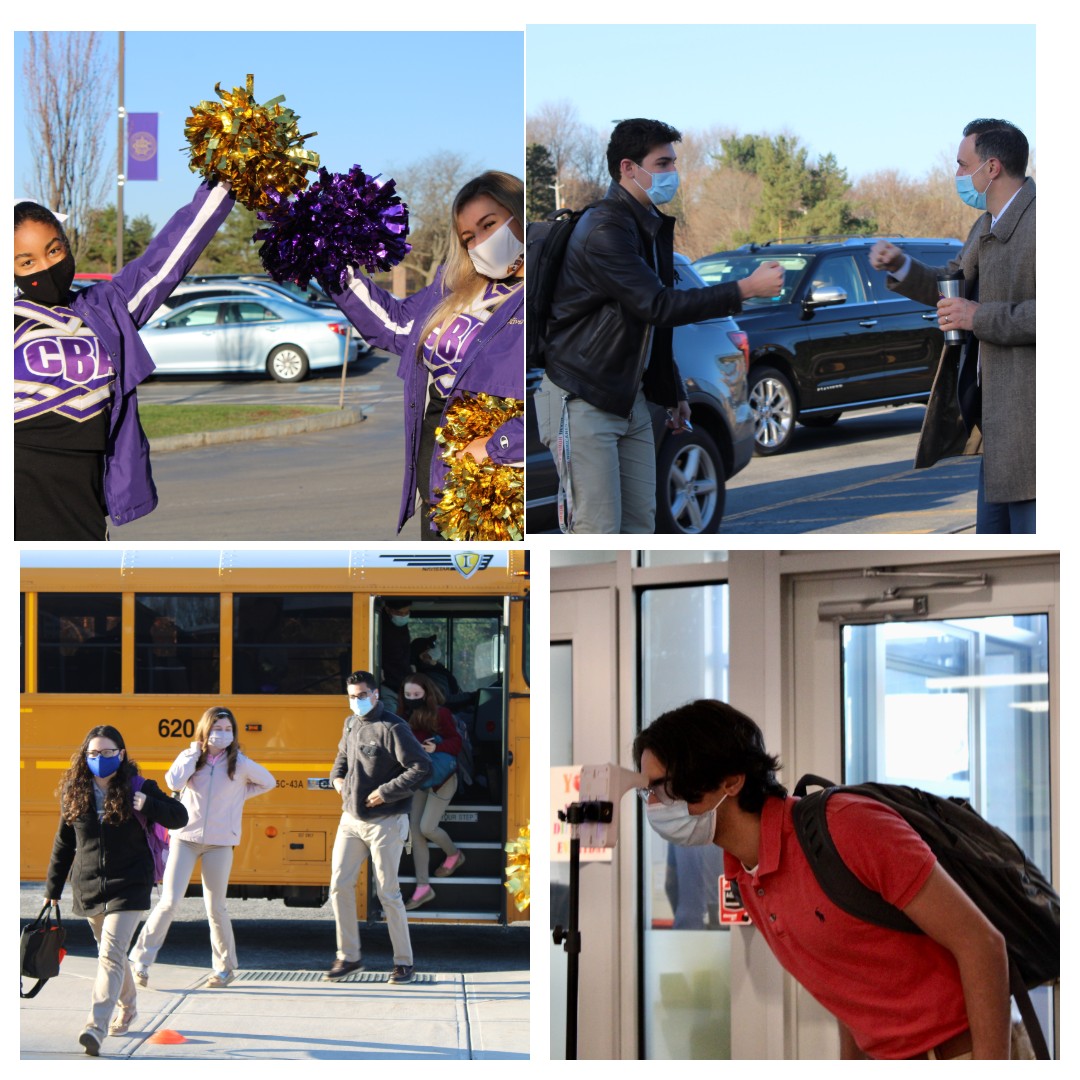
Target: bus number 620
176, 729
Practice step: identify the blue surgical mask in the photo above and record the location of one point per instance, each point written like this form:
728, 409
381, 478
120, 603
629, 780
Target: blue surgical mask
663, 187
360, 706
400, 620
103, 767
965, 188
676, 824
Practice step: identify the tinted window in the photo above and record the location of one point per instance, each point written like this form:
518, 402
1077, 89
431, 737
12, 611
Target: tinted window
931, 256
291, 644
79, 643
716, 269
841, 271
176, 644
249, 311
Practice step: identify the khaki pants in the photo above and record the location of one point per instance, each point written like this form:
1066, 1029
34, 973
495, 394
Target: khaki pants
113, 982
383, 840
428, 807
612, 459
216, 865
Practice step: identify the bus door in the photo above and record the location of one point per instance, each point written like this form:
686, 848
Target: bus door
465, 639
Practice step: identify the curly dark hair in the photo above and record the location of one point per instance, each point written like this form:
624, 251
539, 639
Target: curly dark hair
703, 743
634, 139
424, 720
76, 785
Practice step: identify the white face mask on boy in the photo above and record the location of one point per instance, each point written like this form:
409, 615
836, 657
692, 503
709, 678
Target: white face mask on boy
675, 823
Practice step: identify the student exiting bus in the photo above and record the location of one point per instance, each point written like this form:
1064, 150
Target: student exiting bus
214, 780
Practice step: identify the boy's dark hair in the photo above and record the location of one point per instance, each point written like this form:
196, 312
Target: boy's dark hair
634, 139
364, 677
703, 743
1002, 140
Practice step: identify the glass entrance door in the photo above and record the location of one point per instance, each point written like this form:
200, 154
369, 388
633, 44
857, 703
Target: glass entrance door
959, 699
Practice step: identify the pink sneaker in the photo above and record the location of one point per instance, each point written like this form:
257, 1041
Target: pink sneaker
452, 863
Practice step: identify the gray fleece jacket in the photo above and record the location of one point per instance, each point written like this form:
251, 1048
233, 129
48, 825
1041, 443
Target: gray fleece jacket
379, 752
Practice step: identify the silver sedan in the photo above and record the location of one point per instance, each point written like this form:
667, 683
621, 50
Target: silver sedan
257, 334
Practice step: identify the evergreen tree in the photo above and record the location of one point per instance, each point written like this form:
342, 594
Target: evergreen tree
98, 255
232, 251
540, 177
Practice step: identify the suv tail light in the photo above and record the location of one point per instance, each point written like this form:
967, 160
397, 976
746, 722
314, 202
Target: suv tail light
742, 343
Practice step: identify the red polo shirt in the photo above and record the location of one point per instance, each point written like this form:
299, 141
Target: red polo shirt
899, 994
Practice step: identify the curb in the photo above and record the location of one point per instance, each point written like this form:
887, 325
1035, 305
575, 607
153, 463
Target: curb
273, 429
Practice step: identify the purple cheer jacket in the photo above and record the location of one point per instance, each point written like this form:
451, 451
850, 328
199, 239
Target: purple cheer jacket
114, 310
494, 364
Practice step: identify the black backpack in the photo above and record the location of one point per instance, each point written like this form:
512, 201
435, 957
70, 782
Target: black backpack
982, 859
545, 249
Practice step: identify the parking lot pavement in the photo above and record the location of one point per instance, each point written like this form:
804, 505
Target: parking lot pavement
267, 1015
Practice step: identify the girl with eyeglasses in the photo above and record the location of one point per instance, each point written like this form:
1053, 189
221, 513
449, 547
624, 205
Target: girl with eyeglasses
103, 844
214, 780
433, 725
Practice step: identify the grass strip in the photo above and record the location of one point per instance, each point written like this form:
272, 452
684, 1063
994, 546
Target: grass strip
160, 421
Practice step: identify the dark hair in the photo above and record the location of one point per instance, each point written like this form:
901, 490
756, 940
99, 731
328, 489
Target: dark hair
703, 743
634, 139
1002, 140
426, 718
32, 211
419, 646
76, 785
364, 677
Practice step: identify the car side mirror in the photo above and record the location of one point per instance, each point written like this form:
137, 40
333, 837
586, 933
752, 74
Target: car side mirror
826, 296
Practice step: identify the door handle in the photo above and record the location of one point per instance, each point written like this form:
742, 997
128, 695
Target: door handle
868, 322
930, 315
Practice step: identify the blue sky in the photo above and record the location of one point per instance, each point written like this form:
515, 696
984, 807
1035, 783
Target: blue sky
379, 99
876, 96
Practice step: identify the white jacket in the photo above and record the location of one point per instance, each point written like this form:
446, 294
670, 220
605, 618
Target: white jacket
215, 803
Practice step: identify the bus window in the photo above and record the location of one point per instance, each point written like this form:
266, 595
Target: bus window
79, 643
291, 643
176, 644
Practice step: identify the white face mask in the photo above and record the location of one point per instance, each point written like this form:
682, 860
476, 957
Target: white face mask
676, 824
219, 739
499, 255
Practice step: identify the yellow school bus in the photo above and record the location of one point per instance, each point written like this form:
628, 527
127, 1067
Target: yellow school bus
147, 640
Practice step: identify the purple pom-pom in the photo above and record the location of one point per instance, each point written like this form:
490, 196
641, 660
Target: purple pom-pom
344, 220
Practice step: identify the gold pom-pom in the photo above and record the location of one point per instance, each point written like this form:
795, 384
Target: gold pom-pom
252, 146
480, 500
517, 869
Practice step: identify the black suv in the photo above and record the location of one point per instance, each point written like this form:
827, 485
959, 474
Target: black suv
836, 338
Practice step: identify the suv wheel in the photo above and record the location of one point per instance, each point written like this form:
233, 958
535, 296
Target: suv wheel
773, 403
287, 363
689, 484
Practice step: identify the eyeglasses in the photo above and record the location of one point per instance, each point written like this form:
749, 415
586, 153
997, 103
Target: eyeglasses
102, 753
659, 788
363, 695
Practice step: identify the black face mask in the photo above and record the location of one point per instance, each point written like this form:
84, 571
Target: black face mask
413, 703
51, 286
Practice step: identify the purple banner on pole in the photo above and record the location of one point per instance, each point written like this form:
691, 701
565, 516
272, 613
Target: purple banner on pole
142, 146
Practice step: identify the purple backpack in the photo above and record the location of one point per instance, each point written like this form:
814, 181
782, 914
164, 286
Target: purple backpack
157, 836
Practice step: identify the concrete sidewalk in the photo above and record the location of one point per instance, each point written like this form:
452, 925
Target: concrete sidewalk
269, 1015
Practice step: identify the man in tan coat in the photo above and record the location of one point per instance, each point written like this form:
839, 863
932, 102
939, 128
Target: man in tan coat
983, 398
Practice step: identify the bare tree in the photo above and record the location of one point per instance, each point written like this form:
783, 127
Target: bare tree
428, 187
576, 149
69, 81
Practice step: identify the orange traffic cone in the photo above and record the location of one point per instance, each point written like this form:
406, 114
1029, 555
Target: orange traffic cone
166, 1035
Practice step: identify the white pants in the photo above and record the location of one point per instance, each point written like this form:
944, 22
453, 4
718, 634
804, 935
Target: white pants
383, 840
113, 982
216, 865
428, 807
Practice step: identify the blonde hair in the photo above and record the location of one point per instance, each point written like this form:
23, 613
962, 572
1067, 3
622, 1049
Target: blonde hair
461, 282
